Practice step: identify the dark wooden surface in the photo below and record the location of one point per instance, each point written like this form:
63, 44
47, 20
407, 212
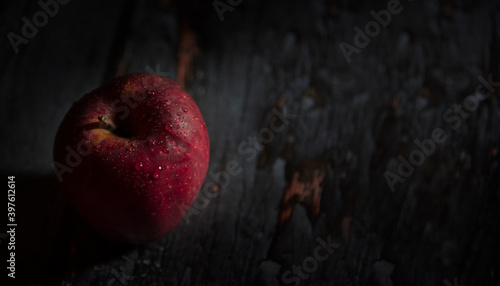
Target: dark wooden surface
439, 227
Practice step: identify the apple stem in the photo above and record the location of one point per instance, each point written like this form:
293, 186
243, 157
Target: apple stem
105, 122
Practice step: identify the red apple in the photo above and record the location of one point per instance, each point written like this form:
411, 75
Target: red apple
132, 155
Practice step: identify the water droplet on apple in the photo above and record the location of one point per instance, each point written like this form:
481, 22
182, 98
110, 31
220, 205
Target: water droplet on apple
138, 166
151, 92
178, 114
156, 174
168, 126
151, 142
185, 109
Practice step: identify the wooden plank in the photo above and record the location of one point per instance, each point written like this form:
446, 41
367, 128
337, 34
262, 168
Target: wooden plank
67, 57
64, 60
283, 57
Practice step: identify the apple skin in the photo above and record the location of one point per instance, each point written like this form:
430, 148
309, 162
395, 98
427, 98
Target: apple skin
144, 152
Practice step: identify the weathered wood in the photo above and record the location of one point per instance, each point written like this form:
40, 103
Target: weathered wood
283, 57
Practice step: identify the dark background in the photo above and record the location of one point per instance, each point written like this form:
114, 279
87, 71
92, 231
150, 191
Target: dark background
438, 227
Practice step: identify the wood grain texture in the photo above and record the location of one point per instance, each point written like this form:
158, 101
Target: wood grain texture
268, 58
